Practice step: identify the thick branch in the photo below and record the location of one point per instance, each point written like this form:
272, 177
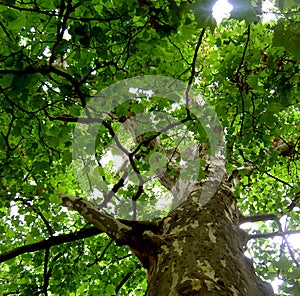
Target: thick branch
118, 231
257, 218
50, 242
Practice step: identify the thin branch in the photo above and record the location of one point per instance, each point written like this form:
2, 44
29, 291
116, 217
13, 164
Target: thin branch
125, 279
47, 273
279, 180
98, 259
62, 26
114, 190
274, 234
46, 278
55, 13
46, 69
193, 71
39, 213
257, 218
193, 65
179, 50
293, 203
244, 52
7, 33
266, 217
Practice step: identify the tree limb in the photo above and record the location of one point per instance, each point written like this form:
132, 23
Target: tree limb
281, 232
257, 218
50, 242
118, 231
273, 234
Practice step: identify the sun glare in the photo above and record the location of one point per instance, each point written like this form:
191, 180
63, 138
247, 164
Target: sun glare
221, 10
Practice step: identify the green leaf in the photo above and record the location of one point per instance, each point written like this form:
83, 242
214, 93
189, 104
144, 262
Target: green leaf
9, 2
288, 37
54, 198
110, 290
253, 81
243, 10
285, 5
203, 13
29, 219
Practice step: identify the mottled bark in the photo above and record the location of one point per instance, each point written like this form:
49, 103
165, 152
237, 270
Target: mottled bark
200, 252
198, 248
195, 250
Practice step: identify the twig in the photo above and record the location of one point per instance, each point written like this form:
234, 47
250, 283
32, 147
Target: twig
193, 71
125, 279
244, 52
101, 255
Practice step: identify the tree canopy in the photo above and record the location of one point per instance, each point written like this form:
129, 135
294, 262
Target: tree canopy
56, 56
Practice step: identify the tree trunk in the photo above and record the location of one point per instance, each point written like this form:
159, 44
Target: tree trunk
195, 250
199, 251
198, 248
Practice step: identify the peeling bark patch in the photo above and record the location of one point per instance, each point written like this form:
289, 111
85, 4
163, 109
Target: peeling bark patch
175, 279
227, 216
234, 290
177, 247
195, 224
211, 234
176, 230
210, 285
207, 269
234, 206
114, 228
167, 224
196, 284
190, 260
68, 204
165, 248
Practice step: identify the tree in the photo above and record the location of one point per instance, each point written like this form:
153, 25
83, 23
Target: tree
74, 223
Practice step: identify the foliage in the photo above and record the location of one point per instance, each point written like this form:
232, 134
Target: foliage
56, 55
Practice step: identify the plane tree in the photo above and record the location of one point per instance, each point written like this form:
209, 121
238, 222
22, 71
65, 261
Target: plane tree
137, 140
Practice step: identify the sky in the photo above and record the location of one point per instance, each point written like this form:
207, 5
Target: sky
221, 9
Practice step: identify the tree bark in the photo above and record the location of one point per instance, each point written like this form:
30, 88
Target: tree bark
199, 251
195, 250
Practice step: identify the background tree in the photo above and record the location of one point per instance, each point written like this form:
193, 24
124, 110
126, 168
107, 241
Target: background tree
55, 56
